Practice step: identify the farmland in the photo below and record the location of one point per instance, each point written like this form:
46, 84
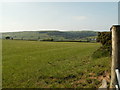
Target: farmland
55, 35
37, 64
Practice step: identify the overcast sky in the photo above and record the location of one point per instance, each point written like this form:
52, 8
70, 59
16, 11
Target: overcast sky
29, 16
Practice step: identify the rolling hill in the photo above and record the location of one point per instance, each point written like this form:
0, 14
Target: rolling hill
47, 35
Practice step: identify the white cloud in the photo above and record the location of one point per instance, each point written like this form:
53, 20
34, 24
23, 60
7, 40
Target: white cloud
79, 17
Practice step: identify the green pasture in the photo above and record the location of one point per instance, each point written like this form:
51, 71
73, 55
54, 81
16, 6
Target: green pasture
35, 64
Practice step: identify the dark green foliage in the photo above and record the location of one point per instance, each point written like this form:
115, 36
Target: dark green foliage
106, 49
7, 37
104, 38
49, 39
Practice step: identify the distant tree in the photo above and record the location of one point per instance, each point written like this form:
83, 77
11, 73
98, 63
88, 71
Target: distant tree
52, 39
22, 38
49, 39
11, 38
38, 38
7, 37
88, 40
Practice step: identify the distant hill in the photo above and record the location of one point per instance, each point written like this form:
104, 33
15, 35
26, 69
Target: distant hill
50, 35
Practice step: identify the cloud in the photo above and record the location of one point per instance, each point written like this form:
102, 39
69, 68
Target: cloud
79, 17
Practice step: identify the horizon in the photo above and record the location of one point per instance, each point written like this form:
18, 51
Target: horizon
57, 30
60, 16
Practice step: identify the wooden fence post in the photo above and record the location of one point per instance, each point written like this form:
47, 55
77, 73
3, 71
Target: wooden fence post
115, 53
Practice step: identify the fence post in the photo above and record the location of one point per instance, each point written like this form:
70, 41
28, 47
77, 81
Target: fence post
115, 53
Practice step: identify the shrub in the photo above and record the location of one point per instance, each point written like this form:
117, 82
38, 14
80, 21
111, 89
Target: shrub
106, 49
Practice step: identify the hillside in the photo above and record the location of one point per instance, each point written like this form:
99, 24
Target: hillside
55, 35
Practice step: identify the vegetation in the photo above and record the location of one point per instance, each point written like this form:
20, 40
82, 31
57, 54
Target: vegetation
0, 63
104, 38
106, 49
34, 64
54, 35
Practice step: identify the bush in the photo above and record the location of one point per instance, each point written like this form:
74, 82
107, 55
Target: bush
106, 49
49, 39
104, 38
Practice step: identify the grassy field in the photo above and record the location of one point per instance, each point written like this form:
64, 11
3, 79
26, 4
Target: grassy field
34, 64
0, 63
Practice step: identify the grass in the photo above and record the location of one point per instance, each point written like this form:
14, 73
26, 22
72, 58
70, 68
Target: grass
34, 64
0, 63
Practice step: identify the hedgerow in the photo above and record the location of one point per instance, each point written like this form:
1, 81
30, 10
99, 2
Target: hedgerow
106, 49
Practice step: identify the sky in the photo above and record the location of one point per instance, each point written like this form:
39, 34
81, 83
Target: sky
62, 16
